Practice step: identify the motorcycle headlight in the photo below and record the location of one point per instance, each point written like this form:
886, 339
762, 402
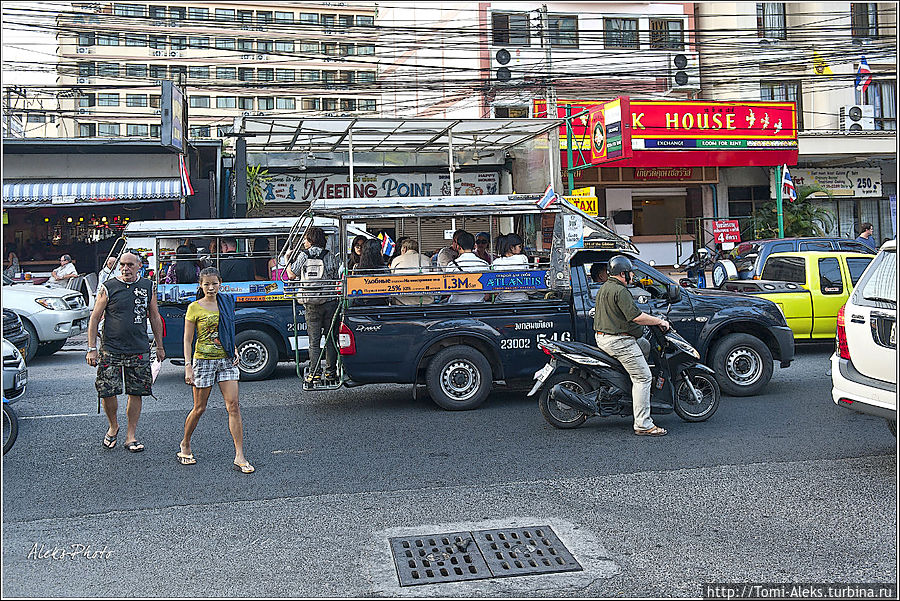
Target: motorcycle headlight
53, 303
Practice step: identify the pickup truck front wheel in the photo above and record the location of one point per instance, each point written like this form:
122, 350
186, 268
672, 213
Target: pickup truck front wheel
459, 378
743, 364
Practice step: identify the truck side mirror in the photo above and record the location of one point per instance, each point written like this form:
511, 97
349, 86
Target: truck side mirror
673, 293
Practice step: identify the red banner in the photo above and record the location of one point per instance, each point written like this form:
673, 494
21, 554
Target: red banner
713, 120
726, 230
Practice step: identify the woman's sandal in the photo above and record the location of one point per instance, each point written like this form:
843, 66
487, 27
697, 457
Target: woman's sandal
244, 468
654, 431
185, 458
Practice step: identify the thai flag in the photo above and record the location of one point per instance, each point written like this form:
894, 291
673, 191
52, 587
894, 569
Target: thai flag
387, 245
787, 185
863, 76
548, 198
186, 188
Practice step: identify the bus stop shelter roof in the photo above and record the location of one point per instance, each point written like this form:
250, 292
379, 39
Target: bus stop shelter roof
292, 134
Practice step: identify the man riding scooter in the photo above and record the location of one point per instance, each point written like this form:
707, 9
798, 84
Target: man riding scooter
618, 323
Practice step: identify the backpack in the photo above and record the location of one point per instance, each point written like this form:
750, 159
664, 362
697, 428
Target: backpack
312, 273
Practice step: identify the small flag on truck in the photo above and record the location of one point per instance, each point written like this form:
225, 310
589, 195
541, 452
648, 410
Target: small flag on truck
548, 198
387, 245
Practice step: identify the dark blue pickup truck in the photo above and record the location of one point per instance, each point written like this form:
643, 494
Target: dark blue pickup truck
459, 350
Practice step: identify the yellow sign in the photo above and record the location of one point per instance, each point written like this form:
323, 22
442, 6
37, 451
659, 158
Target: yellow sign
589, 191
588, 204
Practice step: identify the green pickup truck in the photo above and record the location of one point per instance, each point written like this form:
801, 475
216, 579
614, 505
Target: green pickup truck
809, 287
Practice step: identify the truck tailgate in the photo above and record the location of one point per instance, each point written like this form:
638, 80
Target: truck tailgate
794, 300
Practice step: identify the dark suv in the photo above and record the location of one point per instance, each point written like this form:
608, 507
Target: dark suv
748, 258
14, 331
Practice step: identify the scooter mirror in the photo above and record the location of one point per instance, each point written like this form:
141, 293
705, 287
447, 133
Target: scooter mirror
673, 293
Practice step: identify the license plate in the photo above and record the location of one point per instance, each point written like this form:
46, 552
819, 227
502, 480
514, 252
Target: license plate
894, 334
21, 379
544, 373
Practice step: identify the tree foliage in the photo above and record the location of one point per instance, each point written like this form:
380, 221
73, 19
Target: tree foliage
257, 180
803, 217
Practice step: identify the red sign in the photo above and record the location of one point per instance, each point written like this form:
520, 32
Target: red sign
706, 120
726, 230
609, 136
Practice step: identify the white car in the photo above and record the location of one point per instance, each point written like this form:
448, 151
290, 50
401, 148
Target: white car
864, 365
15, 374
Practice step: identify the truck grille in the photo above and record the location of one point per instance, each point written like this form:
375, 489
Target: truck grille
75, 302
12, 325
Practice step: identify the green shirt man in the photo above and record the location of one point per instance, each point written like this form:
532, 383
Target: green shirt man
615, 310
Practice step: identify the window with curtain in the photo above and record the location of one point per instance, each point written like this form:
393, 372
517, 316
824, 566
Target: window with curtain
666, 34
883, 96
563, 30
510, 29
784, 91
620, 33
770, 20
863, 20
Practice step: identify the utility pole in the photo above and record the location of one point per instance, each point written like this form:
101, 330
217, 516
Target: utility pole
552, 112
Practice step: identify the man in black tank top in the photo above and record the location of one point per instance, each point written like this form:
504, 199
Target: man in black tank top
124, 303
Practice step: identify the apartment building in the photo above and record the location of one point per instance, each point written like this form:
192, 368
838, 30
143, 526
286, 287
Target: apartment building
232, 59
810, 53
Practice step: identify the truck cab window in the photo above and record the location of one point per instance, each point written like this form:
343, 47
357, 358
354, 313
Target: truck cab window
830, 280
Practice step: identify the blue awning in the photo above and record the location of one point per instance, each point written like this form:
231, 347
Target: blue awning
61, 192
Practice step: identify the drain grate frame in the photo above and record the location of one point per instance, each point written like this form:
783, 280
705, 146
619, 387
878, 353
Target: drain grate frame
480, 555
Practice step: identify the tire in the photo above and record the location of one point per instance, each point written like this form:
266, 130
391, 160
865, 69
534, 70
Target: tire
459, 378
558, 414
743, 364
10, 427
33, 342
892, 426
257, 353
48, 348
686, 406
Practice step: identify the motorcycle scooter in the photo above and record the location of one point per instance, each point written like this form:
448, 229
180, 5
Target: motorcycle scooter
582, 381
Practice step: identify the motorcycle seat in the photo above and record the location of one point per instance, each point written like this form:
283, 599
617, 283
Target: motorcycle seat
596, 353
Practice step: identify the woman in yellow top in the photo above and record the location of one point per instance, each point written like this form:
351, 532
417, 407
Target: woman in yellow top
211, 317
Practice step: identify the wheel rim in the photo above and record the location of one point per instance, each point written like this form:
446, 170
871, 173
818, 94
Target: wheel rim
743, 365
686, 399
460, 380
562, 412
253, 356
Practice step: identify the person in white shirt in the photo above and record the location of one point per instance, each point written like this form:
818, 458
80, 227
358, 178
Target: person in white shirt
110, 269
64, 272
509, 249
467, 261
411, 261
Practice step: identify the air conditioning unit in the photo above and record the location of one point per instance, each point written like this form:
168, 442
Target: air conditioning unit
857, 117
506, 68
684, 71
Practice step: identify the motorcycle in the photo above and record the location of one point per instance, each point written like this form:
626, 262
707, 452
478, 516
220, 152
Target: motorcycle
582, 381
696, 266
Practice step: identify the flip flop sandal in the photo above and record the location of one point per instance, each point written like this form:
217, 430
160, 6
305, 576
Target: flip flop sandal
109, 442
186, 459
134, 446
654, 431
244, 468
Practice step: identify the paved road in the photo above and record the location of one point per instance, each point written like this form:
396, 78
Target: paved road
781, 487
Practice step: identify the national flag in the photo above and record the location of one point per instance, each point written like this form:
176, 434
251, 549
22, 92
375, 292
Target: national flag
548, 198
863, 76
820, 67
387, 245
186, 188
787, 185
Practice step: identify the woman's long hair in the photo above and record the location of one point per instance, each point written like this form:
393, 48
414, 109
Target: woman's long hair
185, 267
212, 271
370, 257
354, 258
511, 240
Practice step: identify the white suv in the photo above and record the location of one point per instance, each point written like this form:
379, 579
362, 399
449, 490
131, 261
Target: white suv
864, 364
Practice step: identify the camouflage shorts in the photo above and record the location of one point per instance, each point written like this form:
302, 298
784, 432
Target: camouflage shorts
113, 368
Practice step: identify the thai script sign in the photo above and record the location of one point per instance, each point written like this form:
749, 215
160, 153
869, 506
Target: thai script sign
287, 188
662, 173
726, 230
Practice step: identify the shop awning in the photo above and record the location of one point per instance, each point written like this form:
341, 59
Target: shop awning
61, 192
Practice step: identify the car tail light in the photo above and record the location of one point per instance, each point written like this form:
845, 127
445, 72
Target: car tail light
164, 325
842, 349
346, 341
845, 401
546, 350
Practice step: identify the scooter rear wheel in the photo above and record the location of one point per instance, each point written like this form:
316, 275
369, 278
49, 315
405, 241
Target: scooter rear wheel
560, 415
687, 407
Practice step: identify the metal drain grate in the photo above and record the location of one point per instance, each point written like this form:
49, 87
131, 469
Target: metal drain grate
459, 556
524, 551
434, 558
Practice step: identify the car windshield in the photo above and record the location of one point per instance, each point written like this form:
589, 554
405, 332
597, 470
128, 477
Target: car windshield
881, 284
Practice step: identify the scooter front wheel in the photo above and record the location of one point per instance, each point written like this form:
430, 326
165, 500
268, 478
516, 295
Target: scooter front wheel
560, 415
687, 406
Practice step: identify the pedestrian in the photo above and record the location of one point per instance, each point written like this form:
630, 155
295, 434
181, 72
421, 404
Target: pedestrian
865, 235
215, 360
618, 323
109, 270
315, 267
124, 303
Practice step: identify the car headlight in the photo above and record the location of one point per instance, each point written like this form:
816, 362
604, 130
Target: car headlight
53, 303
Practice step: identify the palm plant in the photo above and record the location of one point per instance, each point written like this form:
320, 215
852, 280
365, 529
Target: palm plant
803, 217
257, 180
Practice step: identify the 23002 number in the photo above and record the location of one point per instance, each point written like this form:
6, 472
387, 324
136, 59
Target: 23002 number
515, 343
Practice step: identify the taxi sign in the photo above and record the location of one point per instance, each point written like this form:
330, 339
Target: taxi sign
588, 204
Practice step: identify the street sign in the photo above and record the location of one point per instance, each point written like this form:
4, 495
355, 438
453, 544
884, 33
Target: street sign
726, 230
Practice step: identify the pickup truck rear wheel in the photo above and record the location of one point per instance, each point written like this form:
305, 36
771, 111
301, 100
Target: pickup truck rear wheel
459, 378
743, 364
257, 353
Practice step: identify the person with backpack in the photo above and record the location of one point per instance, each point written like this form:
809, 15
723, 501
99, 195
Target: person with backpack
315, 266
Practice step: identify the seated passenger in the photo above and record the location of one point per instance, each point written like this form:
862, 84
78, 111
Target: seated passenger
411, 260
263, 262
448, 253
232, 267
184, 269
482, 244
598, 273
510, 247
371, 262
467, 261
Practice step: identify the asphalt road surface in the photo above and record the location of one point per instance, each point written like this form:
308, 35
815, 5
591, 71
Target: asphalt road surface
783, 487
